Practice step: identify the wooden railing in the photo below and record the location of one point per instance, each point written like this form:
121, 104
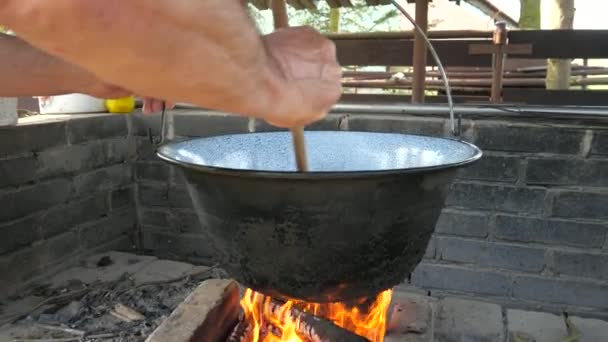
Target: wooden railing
468, 57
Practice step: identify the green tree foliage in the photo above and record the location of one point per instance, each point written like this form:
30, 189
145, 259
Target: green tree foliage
529, 14
359, 18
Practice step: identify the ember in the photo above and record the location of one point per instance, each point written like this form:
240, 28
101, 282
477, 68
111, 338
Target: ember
266, 320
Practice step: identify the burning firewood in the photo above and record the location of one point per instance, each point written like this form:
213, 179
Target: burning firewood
276, 316
242, 331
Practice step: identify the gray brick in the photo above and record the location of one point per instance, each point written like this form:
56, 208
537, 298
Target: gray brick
492, 168
591, 329
63, 218
397, 124
553, 232
31, 137
581, 205
17, 171
18, 234
431, 248
25, 263
188, 222
154, 195
24, 201
330, 123
502, 136
467, 320
145, 150
535, 326
158, 218
568, 292
102, 179
409, 318
178, 176
499, 198
588, 172
85, 128
122, 198
142, 123
463, 279
121, 222
16, 267
69, 159
582, 264
155, 171
60, 247
182, 246
454, 222
600, 143
205, 124
119, 150
179, 197
489, 254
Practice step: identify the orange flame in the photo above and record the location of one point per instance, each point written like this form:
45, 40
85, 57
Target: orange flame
365, 318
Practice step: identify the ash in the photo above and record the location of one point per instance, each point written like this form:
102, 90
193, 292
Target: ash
111, 297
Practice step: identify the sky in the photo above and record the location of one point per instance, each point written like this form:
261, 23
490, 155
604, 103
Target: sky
590, 14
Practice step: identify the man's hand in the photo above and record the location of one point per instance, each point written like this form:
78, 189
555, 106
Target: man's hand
310, 75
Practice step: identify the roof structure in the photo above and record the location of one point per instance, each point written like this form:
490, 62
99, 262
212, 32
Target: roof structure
485, 6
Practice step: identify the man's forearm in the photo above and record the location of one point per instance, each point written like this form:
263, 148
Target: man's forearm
206, 52
27, 71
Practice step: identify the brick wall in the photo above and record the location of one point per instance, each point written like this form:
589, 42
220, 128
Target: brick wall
528, 223
66, 190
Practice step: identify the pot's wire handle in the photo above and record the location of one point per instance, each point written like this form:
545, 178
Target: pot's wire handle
455, 128
162, 134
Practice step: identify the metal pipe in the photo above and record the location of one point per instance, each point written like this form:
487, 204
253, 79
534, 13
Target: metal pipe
472, 110
507, 110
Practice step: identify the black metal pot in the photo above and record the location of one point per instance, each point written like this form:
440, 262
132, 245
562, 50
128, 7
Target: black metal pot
354, 225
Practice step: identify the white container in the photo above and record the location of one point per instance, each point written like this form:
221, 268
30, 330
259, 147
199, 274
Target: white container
8, 111
71, 104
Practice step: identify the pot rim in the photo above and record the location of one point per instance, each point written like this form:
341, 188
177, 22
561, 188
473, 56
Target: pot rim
321, 174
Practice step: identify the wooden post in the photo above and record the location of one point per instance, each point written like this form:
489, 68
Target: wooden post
498, 63
279, 13
420, 51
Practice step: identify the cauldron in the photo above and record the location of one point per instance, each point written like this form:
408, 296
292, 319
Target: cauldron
357, 223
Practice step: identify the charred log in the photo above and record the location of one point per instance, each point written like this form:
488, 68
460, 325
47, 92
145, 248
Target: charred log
313, 328
242, 331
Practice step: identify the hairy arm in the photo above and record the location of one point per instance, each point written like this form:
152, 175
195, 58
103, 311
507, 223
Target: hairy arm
205, 52
27, 71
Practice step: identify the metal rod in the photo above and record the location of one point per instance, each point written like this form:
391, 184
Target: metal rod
419, 59
279, 13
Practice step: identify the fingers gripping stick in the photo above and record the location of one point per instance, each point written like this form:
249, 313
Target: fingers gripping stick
279, 13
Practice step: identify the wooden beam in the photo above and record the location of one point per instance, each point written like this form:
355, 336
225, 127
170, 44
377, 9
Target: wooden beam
562, 43
420, 51
395, 51
399, 52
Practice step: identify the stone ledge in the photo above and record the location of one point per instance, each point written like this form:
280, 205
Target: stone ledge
206, 315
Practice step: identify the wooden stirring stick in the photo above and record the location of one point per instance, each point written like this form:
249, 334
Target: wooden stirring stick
279, 13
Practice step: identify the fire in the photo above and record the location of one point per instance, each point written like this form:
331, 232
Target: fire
366, 318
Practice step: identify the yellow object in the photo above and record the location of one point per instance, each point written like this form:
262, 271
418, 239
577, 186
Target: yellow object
121, 105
